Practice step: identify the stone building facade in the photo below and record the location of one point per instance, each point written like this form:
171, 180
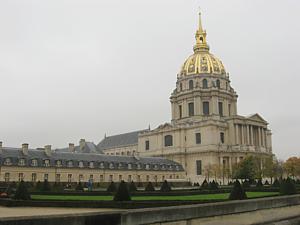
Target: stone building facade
205, 131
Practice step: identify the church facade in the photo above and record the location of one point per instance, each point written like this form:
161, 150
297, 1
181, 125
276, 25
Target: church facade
205, 133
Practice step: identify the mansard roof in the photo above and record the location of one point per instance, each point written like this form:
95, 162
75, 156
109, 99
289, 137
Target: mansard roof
89, 147
100, 161
120, 140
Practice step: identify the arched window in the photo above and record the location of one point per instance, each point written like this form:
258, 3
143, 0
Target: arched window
218, 83
191, 85
168, 140
180, 86
191, 108
80, 164
204, 83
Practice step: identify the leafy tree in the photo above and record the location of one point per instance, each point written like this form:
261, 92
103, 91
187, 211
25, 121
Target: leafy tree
46, 186
292, 166
132, 187
287, 187
165, 187
122, 193
112, 187
237, 192
246, 169
22, 192
246, 183
149, 187
272, 168
79, 187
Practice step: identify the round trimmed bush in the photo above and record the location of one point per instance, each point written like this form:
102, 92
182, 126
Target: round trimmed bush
237, 192
122, 193
149, 187
22, 192
287, 187
165, 187
213, 185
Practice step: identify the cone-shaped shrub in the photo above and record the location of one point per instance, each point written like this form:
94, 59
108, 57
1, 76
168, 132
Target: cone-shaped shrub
237, 192
79, 187
165, 187
259, 184
46, 186
267, 182
111, 187
149, 187
276, 183
132, 187
122, 193
204, 184
287, 187
213, 185
246, 183
22, 192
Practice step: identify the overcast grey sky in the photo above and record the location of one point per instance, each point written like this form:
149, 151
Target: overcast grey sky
79, 69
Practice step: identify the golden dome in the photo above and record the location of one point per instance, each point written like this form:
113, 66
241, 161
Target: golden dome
202, 61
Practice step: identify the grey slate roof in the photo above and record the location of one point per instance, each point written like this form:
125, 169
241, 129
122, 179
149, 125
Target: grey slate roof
100, 161
120, 140
89, 147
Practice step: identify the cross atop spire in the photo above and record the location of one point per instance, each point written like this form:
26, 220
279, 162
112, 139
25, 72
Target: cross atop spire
201, 44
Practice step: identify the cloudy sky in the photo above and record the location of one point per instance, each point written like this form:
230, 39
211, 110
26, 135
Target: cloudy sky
75, 69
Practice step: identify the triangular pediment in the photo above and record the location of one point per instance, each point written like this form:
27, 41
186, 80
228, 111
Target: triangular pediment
165, 126
257, 117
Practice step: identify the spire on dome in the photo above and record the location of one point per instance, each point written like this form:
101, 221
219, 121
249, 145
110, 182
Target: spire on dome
201, 44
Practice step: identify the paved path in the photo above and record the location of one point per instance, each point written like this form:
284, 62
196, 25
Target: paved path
6, 212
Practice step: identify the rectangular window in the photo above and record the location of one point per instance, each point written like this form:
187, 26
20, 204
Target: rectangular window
46, 176
101, 178
198, 138
191, 109
69, 178
111, 178
120, 177
91, 178
221, 108
6, 177
138, 178
147, 178
57, 178
21, 176
222, 137
168, 140
180, 112
33, 177
229, 109
80, 177
129, 178
198, 167
147, 145
206, 108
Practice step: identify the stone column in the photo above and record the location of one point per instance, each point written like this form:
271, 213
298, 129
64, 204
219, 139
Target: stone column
197, 102
248, 135
259, 137
236, 126
243, 138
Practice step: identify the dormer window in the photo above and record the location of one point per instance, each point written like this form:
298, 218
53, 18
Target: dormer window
163, 167
147, 166
177, 167
139, 166
120, 165
34, 162
21, 162
91, 164
70, 163
46, 162
111, 165
156, 167
58, 163
170, 167
129, 166
102, 165
80, 164
7, 162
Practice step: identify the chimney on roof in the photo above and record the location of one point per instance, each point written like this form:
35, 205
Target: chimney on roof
48, 150
1, 147
71, 147
25, 148
81, 144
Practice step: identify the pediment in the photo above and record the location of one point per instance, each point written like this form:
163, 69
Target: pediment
165, 126
257, 117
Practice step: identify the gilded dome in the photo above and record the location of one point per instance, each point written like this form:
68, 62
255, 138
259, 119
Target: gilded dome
202, 61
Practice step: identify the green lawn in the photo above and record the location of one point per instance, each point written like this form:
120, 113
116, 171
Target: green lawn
220, 196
